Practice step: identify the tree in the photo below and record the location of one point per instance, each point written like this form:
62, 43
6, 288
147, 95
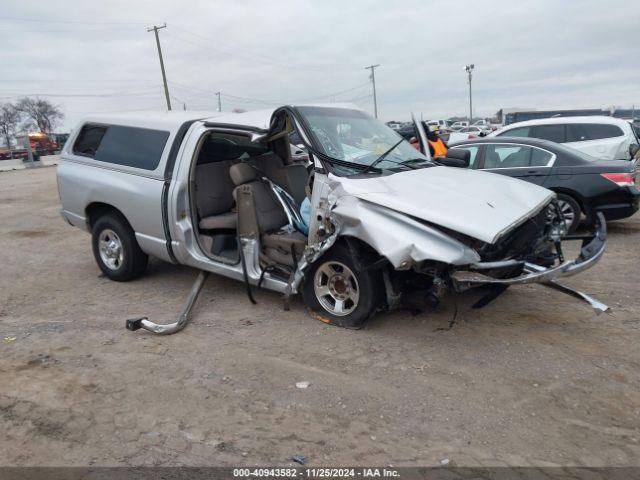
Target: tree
40, 113
9, 120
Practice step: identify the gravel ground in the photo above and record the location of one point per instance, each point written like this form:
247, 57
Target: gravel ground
535, 378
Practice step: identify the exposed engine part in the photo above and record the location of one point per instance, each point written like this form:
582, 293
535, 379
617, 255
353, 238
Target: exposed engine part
143, 322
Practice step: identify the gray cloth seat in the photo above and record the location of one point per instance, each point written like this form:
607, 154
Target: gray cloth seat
276, 243
292, 178
214, 196
224, 221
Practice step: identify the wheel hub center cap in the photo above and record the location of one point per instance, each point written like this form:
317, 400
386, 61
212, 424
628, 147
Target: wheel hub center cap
112, 250
339, 286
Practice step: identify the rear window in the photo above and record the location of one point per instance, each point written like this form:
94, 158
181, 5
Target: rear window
128, 146
553, 133
580, 132
89, 140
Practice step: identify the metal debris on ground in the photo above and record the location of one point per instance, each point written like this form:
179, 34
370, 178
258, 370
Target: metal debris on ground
301, 459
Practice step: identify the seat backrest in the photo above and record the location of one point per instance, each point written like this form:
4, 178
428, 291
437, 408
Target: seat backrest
214, 188
292, 178
270, 215
492, 160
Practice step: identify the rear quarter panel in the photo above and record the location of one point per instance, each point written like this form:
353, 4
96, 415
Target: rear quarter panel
137, 197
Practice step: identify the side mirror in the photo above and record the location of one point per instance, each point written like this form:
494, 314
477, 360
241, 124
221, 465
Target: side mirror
483, 134
633, 149
456, 157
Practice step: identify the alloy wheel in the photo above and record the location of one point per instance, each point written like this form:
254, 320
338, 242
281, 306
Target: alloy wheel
110, 248
336, 288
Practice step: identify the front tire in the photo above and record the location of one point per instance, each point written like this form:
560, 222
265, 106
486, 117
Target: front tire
339, 291
116, 249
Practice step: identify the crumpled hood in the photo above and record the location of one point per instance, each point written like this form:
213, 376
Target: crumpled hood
479, 204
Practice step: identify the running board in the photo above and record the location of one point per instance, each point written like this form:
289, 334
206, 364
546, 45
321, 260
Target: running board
144, 322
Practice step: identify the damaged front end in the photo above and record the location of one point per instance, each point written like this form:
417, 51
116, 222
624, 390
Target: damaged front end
533, 253
424, 261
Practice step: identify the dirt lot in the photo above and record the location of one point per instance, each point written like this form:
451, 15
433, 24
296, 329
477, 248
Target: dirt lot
535, 378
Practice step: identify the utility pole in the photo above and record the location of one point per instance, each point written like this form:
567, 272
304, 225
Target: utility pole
469, 70
164, 76
373, 80
219, 102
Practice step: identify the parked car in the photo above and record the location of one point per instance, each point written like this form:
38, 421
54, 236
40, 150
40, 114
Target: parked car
474, 131
602, 137
482, 123
584, 185
437, 125
387, 225
407, 132
455, 126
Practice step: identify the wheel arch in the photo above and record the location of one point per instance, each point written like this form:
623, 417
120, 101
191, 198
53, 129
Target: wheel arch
582, 203
96, 210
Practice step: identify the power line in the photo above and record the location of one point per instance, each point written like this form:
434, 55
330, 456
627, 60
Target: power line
335, 94
267, 102
357, 99
215, 44
81, 95
83, 22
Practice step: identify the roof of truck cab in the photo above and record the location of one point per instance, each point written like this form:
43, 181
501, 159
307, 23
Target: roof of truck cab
154, 119
261, 118
163, 120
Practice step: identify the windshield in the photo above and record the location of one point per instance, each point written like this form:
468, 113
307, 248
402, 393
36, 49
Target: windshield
355, 137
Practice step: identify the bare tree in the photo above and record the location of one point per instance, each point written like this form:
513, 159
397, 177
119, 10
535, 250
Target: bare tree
9, 120
40, 113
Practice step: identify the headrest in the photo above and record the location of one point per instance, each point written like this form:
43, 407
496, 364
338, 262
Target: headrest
242, 173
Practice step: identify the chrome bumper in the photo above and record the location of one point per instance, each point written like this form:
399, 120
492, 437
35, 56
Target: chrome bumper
591, 252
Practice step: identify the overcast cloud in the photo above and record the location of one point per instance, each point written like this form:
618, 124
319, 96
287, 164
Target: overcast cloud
98, 56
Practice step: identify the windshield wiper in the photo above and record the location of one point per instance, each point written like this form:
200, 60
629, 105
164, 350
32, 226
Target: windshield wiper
342, 163
407, 163
384, 155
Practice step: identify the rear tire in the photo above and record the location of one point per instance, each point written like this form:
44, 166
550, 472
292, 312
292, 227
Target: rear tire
116, 249
339, 292
570, 210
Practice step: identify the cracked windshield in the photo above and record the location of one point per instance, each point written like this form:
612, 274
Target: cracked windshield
353, 136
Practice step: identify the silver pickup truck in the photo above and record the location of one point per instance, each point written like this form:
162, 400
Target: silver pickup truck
369, 224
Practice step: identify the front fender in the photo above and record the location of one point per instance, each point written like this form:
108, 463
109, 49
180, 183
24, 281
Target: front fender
403, 240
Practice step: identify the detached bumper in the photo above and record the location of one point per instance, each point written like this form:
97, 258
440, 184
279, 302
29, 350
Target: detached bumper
592, 250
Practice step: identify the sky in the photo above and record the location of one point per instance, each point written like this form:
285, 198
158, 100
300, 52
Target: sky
98, 56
